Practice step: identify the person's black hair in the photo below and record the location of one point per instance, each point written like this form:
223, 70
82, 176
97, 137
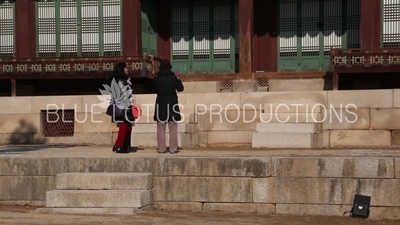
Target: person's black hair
118, 71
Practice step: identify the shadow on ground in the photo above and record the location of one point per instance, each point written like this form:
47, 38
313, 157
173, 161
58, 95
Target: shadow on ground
26, 138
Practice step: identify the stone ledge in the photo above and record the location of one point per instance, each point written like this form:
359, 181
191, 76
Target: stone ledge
179, 206
341, 167
214, 167
360, 138
278, 190
240, 208
26, 188
203, 189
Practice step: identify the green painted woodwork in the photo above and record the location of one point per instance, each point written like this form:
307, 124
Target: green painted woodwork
308, 29
7, 29
204, 36
80, 28
149, 27
390, 15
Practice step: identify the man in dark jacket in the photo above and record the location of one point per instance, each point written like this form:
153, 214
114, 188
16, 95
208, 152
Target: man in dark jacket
166, 84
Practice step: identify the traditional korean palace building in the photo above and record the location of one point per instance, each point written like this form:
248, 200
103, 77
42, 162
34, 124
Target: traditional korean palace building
68, 46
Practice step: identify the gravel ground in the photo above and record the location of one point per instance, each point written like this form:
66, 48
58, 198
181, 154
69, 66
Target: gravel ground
24, 215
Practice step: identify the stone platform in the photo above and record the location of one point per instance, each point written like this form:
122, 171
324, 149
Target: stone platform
265, 181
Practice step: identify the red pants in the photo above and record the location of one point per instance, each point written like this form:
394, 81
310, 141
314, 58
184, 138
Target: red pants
124, 135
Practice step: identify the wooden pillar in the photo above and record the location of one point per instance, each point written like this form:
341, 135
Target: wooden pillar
265, 55
25, 29
13, 87
370, 24
164, 28
131, 28
246, 39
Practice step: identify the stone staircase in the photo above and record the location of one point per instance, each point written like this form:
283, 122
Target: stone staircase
289, 126
100, 193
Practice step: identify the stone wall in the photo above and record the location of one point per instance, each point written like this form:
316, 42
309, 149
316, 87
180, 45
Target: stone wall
371, 119
265, 185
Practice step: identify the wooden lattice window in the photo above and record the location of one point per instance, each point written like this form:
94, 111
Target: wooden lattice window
391, 23
72, 28
7, 29
58, 123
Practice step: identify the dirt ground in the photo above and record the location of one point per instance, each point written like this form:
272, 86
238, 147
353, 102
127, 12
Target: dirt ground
25, 215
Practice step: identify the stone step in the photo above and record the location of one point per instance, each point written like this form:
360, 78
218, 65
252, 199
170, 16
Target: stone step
293, 107
99, 198
94, 211
283, 140
104, 181
306, 128
291, 118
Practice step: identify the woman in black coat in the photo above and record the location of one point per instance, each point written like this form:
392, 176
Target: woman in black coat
125, 122
166, 84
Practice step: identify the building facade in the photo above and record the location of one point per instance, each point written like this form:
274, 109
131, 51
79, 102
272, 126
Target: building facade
224, 39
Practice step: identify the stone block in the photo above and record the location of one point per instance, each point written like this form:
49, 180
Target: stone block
340, 167
151, 99
397, 168
104, 181
246, 208
395, 137
360, 138
1, 166
291, 118
97, 198
313, 210
95, 103
213, 101
179, 206
15, 105
258, 99
26, 188
361, 99
92, 123
59, 103
28, 166
396, 98
322, 139
283, 140
293, 108
337, 191
346, 119
283, 85
244, 86
90, 211
214, 166
202, 189
201, 87
287, 128
385, 119
20, 123
104, 138
106, 164
143, 128
150, 139
233, 120
186, 118
38, 203
202, 138
229, 137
